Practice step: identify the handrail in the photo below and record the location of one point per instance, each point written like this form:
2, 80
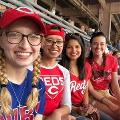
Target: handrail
46, 15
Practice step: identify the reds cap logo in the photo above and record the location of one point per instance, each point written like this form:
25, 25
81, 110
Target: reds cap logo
25, 10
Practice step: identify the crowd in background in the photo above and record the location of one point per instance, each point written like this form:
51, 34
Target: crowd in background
76, 88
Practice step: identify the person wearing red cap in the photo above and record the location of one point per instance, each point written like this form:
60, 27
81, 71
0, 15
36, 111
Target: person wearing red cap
55, 76
22, 93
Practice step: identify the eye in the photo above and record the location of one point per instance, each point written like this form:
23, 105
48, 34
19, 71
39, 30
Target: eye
49, 40
13, 35
59, 42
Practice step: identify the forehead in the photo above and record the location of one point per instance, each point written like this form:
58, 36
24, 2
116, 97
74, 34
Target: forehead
99, 39
24, 23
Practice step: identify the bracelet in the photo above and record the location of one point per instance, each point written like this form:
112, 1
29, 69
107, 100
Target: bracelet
102, 99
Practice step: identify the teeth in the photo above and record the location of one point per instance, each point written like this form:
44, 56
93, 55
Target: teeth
74, 54
23, 53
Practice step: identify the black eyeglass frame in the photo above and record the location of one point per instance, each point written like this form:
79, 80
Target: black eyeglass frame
22, 36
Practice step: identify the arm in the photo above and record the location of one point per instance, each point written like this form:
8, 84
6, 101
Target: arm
86, 97
100, 98
38, 117
65, 106
115, 86
58, 113
89, 108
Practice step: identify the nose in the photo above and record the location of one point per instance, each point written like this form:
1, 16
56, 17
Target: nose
73, 49
98, 45
54, 42
24, 43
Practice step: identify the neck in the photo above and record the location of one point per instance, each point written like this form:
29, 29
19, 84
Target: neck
73, 68
98, 60
16, 75
48, 62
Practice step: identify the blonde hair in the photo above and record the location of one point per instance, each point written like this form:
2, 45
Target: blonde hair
33, 97
5, 96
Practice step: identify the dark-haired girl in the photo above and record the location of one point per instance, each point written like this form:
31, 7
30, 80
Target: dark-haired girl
73, 58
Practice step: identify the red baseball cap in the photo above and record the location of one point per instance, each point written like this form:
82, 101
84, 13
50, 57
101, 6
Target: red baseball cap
11, 15
55, 29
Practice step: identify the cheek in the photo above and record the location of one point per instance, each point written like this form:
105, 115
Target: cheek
68, 51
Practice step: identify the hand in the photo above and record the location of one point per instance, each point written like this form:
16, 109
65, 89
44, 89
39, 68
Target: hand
38, 117
91, 109
87, 109
54, 116
69, 117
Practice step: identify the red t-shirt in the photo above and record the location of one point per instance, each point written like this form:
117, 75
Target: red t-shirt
57, 83
101, 75
78, 86
54, 83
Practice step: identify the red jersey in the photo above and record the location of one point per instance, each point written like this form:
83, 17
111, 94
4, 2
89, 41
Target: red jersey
102, 75
57, 83
78, 86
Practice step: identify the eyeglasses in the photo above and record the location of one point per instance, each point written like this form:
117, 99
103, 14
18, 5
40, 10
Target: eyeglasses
50, 41
16, 38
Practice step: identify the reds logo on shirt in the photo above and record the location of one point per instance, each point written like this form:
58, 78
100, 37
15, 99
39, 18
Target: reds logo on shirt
54, 81
78, 86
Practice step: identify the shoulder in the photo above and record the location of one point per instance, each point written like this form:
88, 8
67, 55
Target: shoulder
110, 57
87, 64
63, 69
88, 68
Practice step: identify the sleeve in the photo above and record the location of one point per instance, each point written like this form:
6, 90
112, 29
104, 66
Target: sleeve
41, 97
115, 65
67, 93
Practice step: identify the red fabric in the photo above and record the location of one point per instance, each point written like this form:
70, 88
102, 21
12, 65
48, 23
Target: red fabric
78, 86
102, 75
54, 83
11, 15
51, 31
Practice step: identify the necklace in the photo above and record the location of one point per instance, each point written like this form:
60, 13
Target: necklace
23, 90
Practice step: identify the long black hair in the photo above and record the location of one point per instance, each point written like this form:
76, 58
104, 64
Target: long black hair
81, 60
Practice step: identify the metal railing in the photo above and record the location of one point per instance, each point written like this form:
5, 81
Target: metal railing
46, 15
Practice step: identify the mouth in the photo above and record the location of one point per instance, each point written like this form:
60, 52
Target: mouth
23, 54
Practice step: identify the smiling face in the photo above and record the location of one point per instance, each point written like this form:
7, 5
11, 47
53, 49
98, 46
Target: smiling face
52, 46
73, 49
21, 54
98, 45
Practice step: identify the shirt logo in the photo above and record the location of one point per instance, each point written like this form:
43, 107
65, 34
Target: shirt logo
78, 86
54, 85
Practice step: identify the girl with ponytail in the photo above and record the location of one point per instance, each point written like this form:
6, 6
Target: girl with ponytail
21, 91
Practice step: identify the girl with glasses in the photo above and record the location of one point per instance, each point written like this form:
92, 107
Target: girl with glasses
22, 93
